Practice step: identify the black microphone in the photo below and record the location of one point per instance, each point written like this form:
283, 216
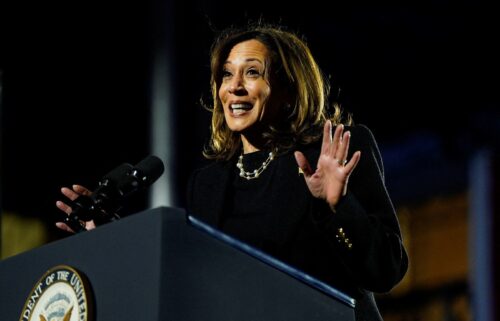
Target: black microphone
84, 207
123, 181
145, 173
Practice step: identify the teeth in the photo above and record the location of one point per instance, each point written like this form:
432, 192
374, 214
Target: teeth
241, 106
238, 111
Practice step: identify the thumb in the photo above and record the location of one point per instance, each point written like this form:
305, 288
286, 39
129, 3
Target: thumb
303, 164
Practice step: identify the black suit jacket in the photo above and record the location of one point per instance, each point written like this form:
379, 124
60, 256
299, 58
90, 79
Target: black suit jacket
358, 249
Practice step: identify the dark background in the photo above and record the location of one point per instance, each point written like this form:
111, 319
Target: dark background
423, 75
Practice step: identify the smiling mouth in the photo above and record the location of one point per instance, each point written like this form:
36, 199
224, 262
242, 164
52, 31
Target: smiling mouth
240, 108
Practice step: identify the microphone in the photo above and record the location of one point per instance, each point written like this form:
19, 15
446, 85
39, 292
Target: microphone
120, 183
145, 173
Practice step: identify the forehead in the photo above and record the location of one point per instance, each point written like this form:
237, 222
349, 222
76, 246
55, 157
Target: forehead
248, 50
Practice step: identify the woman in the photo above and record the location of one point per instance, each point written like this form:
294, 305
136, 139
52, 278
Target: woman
334, 221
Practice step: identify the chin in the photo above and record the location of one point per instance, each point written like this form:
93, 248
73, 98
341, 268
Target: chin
238, 129
239, 126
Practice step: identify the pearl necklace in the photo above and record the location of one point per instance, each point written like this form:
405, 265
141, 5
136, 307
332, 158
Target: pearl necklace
256, 173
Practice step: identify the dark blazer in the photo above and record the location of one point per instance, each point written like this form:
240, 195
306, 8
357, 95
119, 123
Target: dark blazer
358, 249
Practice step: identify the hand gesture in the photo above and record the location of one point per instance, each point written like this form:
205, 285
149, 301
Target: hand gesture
329, 181
73, 194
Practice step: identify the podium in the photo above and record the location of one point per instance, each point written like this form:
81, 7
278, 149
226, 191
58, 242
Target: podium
162, 264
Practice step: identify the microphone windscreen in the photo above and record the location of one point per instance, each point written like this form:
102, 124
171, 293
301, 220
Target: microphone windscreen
118, 173
151, 168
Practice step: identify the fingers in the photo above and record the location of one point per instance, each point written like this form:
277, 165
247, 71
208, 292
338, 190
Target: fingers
303, 164
72, 194
351, 165
69, 193
64, 207
337, 140
77, 190
64, 227
333, 145
82, 190
90, 225
337, 146
343, 148
327, 137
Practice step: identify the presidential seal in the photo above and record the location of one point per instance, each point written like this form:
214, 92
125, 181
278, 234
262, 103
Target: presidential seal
61, 294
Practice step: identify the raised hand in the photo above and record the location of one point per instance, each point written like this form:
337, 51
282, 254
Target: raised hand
329, 181
72, 194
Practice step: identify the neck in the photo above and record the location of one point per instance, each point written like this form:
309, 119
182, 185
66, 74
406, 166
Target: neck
250, 146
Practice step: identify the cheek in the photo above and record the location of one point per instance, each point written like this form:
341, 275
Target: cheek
263, 88
222, 93
260, 91
265, 94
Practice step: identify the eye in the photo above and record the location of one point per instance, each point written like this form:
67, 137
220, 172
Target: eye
253, 72
226, 74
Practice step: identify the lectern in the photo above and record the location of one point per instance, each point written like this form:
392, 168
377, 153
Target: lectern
162, 264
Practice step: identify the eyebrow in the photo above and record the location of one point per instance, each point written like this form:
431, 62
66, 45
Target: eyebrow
246, 60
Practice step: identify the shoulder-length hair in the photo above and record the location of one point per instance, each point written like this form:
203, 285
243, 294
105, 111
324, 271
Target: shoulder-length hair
291, 67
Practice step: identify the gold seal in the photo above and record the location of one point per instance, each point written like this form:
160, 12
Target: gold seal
61, 294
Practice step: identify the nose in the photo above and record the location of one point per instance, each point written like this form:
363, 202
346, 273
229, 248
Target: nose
236, 85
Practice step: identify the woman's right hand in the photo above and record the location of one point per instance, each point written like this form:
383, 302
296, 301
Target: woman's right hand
73, 194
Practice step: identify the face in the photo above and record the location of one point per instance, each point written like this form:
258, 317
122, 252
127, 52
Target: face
245, 91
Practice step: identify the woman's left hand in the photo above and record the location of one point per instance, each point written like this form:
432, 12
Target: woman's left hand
329, 181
